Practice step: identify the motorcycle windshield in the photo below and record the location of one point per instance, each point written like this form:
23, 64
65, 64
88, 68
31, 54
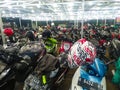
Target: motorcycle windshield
94, 72
99, 67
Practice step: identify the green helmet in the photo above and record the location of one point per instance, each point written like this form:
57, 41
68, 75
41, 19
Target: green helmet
51, 45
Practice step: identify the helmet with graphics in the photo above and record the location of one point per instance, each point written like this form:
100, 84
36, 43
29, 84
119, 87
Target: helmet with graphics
82, 52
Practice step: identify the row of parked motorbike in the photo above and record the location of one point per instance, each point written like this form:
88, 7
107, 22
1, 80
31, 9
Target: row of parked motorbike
43, 64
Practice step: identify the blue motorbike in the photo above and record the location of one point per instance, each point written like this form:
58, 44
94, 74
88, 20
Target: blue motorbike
90, 77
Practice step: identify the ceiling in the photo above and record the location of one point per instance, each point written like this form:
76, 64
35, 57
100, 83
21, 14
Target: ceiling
44, 10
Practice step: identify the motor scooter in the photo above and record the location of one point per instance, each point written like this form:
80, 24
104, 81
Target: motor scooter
90, 77
65, 46
48, 74
19, 67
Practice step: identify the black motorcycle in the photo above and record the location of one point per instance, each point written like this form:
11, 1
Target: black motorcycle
48, 74
17, 68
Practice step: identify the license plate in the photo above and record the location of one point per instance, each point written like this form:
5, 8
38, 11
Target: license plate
89, 84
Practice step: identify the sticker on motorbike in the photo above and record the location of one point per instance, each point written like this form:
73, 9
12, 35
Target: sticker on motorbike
89, 84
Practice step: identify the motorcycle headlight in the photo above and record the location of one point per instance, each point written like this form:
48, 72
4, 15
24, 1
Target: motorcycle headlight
4, 73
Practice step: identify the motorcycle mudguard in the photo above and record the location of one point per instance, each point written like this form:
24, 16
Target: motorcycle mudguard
75, 86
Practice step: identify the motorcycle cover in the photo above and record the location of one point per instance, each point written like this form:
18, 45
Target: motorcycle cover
31, 54
32, 49
47, 64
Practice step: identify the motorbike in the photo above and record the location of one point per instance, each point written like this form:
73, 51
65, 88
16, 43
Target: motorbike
25, 61
92, 76
65, 45
116, 75
48, 74
8, 57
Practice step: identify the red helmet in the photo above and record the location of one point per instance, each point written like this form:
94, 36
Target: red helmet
8, 31
101, 42
81, 52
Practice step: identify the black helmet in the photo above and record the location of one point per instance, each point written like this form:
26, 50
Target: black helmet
30, 35
46, 34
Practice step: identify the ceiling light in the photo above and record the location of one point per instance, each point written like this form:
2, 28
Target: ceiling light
32, 11
10, 7
24, 6
10, 14
116, 0
18, 11
115, 7
71, 13
96, 8
99, 4
38, 5
70, 4
90, 3
3, 12
52, 24
71, 17
55, 5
